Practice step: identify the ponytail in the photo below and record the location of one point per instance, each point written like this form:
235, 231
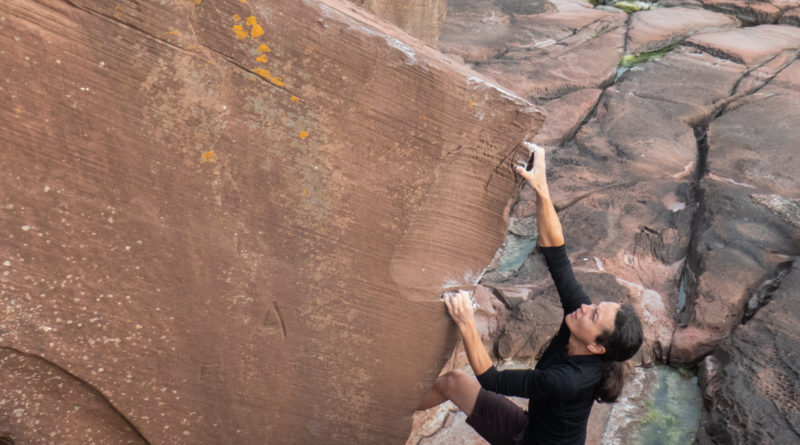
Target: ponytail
620, 345
610, 385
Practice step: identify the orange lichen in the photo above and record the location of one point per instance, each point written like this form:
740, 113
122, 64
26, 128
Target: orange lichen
262, 58
294, 98
174, 32
277, 81
263, 73
241, 34
197, 2
251, 20
472, 104
305, 192
303, 134
237, 17
256, 31
208, 156
263, 48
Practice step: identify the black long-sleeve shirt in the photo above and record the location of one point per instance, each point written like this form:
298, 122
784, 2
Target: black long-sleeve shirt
561, 388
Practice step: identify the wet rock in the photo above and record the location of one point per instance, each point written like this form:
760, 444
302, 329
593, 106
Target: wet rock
658, 28
750, 46
221, 209
565, 114
420, 18
750, 383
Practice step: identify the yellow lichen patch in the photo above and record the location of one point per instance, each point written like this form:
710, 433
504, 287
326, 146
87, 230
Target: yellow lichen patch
262, 58
263, 48
251, 20
294, 98
263, 73
244, 1
304, 192
472, 104
277, 81
241, 34
174, 32
208, 156
256, 31
237, 17
303, 134
197, 2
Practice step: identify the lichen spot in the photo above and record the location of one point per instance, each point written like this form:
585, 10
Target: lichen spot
251, 20
174, 32
262, 58
294, 98
243, 1
197, 2
472, 104
237, 17
263, 48
304, 192
208, 156
303, 134
241, 34
263, 73
256, 31
277, 81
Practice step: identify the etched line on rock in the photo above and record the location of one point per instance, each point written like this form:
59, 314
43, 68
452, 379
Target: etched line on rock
88, 385
280, 318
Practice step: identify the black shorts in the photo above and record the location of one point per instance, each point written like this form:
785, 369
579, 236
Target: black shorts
497, 419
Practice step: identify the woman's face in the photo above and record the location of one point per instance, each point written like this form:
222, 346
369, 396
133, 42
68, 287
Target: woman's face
591, 320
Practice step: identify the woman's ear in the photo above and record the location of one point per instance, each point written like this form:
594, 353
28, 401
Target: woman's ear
594, 348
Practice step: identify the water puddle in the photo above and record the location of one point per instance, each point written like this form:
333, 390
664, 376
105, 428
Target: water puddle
660, 406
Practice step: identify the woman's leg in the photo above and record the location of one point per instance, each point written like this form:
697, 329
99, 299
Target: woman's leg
456, 386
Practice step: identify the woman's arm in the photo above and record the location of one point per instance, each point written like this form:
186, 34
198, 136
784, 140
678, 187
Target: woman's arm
550, 233
551, 236
460, 308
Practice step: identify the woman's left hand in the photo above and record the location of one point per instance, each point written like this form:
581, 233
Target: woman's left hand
460, 308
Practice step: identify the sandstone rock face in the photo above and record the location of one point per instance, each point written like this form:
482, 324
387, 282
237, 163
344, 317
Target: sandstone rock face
233, 220
750, 383
791, 17
420, 18
42, 404
658, 28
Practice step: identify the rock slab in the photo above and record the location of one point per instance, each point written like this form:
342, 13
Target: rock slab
233, 220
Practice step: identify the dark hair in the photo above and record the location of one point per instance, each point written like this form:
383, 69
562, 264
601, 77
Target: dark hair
620, 344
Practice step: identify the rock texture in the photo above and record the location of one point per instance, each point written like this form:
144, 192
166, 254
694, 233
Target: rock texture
233, 220
420, 18
658, 28
750, 383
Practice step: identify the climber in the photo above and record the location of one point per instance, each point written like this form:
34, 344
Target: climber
582, 363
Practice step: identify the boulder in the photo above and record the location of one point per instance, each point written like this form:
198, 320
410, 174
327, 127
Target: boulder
234, 220
658, 28
750, 383
750, 46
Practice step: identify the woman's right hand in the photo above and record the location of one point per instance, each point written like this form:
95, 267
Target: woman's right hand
536, 177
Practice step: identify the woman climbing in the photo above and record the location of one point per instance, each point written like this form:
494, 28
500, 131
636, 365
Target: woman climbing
583, 363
